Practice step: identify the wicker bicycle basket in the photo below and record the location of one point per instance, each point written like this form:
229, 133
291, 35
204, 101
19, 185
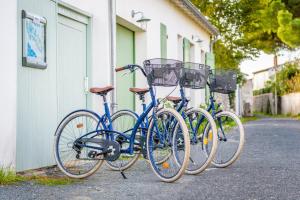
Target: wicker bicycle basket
194, 75
223, 81
162, 72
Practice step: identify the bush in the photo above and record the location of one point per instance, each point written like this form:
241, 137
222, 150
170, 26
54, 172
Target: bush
288, 76
288, 81
293, 85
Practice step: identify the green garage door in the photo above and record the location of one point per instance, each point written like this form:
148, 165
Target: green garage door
125, 55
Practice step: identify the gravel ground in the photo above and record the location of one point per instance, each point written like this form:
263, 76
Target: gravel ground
269, 168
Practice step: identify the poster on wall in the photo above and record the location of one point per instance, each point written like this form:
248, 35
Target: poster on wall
34, 41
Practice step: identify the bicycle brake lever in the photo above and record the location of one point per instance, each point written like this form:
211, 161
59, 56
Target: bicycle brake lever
125, 73
133, 70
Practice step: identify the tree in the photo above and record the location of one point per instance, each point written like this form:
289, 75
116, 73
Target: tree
225, 57
289, 28
271, 29
293, 6
250, 26
261, 26
226, 16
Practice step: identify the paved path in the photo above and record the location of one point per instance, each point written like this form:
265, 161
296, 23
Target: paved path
269, 168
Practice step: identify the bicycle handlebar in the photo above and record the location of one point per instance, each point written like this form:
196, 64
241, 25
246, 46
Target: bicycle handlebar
122, 68
119, 69
131, 68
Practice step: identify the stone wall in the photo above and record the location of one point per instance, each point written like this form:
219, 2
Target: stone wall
264, 103
290, 104
287, 105
224, 99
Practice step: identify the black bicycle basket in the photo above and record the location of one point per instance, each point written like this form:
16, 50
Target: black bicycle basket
163, 72
223, 81
194, 75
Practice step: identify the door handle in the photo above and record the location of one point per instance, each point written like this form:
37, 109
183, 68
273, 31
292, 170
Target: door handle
86, 85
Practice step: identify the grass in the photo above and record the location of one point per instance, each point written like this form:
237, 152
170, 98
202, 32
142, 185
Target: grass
10, 177
279, 115
248, 119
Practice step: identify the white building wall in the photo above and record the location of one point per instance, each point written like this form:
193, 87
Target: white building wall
8, 83
100, 44
178, 24
147, 42
147, 46
260, 79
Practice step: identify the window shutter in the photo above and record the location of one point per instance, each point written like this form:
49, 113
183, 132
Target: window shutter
163, 41
210, 60
186, 50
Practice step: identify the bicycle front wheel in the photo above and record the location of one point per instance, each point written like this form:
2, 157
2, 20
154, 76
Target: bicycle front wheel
231, 138
198, 121
168, 140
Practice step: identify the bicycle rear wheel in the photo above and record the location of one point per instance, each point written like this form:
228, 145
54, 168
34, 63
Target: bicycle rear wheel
168, 140
231, 138
199, 120
123, 121
72, 160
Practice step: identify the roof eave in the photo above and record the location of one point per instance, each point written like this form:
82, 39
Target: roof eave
196, 14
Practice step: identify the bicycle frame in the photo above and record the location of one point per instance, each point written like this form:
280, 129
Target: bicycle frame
106, 123
211, 109
214, 111
180, 108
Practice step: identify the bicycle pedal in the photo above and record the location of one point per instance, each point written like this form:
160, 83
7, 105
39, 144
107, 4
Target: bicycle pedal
137, 148
144, 153
92, 154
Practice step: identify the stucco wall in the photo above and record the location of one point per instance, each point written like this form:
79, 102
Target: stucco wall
8, 83
260, 79
100, 44
148, 43
290, 104
147, 46
37, 91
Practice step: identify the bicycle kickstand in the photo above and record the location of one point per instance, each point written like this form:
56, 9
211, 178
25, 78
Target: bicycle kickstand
122, 173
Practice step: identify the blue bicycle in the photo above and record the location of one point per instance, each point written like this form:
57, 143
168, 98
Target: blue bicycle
83, 139
231, 134
198, 120
229, 128
203, 146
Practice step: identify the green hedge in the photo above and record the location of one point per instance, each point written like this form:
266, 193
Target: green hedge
262, 91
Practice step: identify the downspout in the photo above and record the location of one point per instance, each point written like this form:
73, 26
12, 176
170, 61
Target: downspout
212, 42
211, 50
112, 46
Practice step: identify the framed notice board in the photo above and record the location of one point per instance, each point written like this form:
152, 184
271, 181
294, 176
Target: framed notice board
33, 41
